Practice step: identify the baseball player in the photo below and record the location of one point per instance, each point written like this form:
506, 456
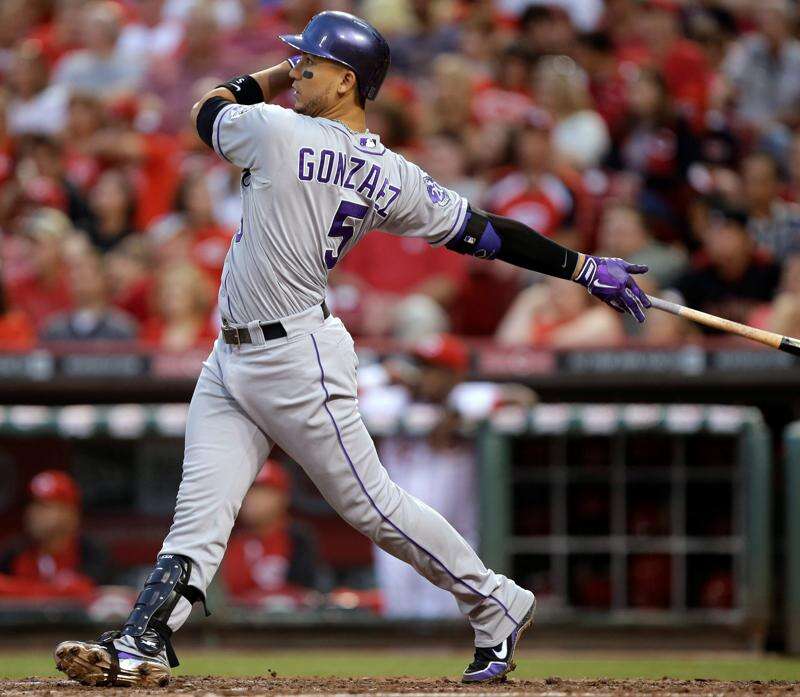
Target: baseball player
283, 369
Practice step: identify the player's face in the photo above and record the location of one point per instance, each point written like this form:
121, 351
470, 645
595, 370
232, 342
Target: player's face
316, 83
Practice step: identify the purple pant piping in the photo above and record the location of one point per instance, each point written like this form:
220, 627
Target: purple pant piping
375, 506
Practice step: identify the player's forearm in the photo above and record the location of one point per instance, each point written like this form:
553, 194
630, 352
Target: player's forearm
492, 236
274, 80
268, 84
525, 247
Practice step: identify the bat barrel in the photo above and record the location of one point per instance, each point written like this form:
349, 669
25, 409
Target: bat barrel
784, 343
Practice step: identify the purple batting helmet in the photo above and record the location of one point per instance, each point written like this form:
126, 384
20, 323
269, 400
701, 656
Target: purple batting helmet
346, 39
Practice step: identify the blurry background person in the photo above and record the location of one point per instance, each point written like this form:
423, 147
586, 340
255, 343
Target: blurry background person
130, 277
52, 559
17, 332
580, 135
35, 268
192, 232
150, 34
783, 315
112, 206
36, 106
623, 234
92, 317
100, 63
270, 556
763, 69
657, 144
183, 304
559, 315
773, 222
438, 469
729, 276
534, 192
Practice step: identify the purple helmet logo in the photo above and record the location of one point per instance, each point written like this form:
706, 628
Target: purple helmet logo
436, 192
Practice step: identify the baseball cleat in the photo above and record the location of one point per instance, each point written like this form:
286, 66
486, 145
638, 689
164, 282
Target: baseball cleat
100, 663
493, 663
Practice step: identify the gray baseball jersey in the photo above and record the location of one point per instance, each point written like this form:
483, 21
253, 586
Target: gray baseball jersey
311, 189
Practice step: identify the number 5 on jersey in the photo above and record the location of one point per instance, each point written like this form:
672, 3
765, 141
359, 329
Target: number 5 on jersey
339, 228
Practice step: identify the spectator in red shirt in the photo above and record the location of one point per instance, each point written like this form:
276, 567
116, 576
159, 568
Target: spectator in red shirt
16, 331
130, 275
52, 559
192, 231
508, 97
661, 46
62, 33
39, 180
533, 193
6, 142
270, 556
39, 285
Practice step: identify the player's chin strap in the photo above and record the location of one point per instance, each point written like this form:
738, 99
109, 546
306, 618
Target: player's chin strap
476, 237
148, 622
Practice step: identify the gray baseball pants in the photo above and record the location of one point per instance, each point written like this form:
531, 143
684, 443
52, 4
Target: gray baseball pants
299, 391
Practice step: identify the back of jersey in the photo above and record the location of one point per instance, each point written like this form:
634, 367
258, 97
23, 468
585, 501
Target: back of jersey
311, 188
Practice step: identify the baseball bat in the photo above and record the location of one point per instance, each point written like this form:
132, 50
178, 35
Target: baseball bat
784, 343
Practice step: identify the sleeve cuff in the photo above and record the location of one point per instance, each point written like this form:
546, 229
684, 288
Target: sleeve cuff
458, 222
215, 134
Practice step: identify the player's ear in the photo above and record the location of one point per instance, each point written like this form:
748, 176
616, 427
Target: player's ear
347, 82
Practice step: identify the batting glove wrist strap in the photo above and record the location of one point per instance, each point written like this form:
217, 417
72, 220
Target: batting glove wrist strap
294, 60
245, 89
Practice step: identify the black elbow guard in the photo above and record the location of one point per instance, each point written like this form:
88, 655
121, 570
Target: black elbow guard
476, 237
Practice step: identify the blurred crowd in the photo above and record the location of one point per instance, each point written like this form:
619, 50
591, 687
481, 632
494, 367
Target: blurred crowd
663, 131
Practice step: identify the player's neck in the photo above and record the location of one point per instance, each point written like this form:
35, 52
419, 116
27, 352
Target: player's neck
351, 116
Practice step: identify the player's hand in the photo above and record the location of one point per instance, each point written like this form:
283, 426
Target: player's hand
610, 280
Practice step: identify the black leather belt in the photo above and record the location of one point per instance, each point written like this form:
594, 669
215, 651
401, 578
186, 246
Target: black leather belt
272, 330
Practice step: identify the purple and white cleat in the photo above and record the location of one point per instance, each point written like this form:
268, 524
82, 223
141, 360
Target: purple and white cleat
112, 660
493, 663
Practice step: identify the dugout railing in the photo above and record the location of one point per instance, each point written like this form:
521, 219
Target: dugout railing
633, 515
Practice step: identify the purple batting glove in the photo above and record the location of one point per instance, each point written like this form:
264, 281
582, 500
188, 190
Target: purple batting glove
610, 280
294, 60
